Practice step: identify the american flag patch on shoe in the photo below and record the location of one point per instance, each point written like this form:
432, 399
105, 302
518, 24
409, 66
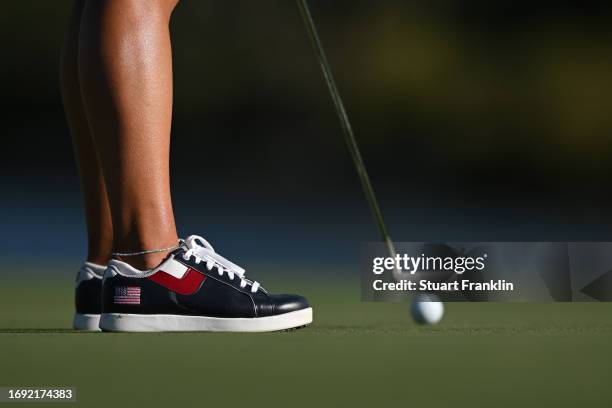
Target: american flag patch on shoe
127, 295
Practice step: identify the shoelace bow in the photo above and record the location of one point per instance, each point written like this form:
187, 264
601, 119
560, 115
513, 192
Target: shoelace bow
201, 249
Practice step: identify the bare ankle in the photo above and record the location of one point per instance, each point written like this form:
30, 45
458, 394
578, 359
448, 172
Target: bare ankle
145, 257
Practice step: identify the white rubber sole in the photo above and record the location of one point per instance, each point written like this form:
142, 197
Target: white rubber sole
122, 322
89, 322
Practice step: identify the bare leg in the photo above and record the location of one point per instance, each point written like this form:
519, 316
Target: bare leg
125, 69
97, 212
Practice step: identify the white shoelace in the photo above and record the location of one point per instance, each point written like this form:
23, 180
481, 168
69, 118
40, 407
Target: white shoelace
203, 251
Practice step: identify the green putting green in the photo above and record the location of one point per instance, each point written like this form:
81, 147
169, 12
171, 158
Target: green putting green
355, 354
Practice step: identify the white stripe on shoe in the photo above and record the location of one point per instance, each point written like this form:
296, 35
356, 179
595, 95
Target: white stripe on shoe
89, 322
120, 322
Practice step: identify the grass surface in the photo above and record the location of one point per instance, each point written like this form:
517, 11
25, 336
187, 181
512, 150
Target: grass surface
355, 354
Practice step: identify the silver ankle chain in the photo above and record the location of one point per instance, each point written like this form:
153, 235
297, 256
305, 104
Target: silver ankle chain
148, 251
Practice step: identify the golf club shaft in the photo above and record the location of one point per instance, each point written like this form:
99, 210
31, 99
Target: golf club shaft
346, 125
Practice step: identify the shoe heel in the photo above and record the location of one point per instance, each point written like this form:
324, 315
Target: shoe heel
87, 322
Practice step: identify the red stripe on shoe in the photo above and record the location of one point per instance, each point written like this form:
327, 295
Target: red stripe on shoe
187, 285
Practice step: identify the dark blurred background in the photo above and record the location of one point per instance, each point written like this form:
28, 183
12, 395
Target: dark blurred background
477, 120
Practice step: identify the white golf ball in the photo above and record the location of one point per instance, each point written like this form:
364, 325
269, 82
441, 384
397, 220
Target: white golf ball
426, 309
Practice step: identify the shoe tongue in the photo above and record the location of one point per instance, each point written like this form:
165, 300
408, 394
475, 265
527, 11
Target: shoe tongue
182, 246
196, 241
205, 251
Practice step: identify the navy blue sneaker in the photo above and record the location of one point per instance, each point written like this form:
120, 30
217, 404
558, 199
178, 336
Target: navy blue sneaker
87, 297
194, 289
